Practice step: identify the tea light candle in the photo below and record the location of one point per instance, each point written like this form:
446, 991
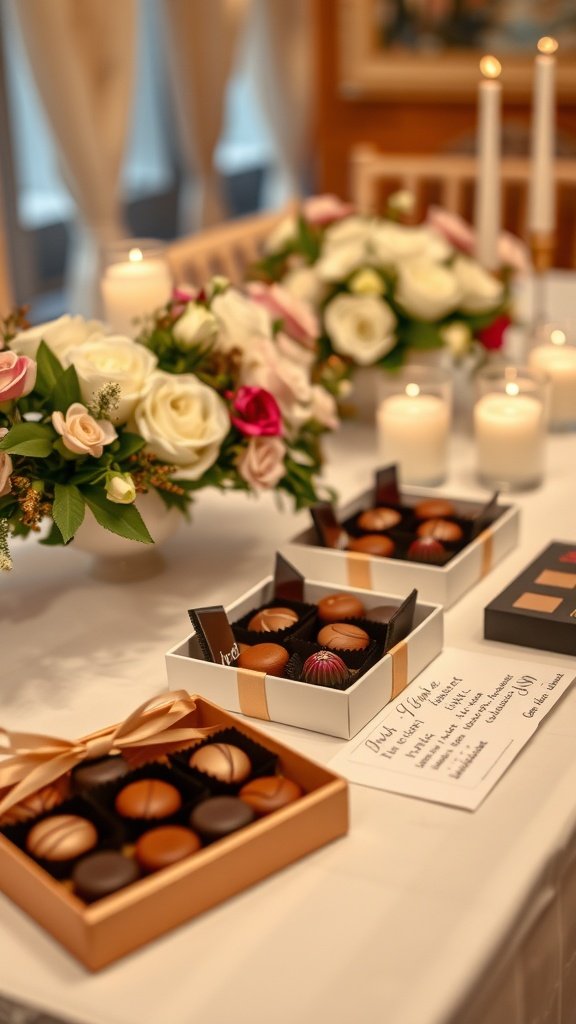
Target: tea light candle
487, 206
509, 432
558, 360
133, 288
413, 431
541, 210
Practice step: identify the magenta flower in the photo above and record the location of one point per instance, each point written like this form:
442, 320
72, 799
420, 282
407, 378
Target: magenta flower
255, 412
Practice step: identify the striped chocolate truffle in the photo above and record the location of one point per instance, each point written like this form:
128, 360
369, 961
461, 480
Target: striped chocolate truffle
324, 668
61, 837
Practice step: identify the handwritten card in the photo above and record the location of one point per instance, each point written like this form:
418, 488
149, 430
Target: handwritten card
455, 730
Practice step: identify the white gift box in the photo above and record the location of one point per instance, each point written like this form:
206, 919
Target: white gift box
319, 708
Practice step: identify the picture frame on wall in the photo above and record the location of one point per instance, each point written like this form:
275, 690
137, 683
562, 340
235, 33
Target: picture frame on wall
392, 49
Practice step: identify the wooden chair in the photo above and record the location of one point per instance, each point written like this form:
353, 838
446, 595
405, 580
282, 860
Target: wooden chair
228, 249
449, 181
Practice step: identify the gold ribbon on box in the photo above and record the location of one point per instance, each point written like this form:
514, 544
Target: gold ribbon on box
252, 693
399, 655
486, 538
160, 726
359, 570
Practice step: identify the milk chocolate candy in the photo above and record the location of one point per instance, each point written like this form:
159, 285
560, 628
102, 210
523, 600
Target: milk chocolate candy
165, 845
343, 636
443, 530
269, 620
148, 799
372, 544
270, 658
223, 761
378, 519
269, 793
335, 607
61, 837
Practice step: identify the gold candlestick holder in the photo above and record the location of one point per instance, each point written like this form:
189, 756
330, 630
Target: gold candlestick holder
542, 248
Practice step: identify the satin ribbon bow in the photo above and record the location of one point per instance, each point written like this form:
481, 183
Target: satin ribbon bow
159, 726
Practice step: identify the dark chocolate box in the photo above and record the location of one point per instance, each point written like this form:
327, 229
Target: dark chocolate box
538, 609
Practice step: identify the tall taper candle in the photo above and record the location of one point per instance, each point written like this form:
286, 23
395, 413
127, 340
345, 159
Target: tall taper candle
488, 188
542, 202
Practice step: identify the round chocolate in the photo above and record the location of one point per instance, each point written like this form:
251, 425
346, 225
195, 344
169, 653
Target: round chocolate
148, 799
427, 549
270, 793
45, 799
270, 658
61, 837
378, 519
335, 607
372, 544
98, 773
222, 761
166, 845
103, 873
269, 620
440, 529
219, 816
343, 636
434, 508
324, 668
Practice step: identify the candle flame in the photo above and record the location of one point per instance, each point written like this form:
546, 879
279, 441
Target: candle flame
557, 337
490, 66
412, 390
135, 255
512, 388
547, 45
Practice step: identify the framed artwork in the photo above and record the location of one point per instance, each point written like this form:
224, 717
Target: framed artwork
430, 49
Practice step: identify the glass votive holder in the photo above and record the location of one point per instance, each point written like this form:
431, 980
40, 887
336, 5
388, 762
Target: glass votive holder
135, 282
552, 350
413, 422
510, 427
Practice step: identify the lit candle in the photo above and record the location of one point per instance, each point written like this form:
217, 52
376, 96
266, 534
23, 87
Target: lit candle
558, 360
487, 206
542, 198
509, 432
134, 288
413, 431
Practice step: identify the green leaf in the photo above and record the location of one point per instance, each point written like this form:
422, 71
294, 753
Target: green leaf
124, 520
35, 439
49, 370
66, 390
54, 538
68, 510
126, 445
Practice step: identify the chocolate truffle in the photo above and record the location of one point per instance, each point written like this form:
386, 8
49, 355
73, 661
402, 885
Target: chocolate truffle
434, 508
440, 529
270, 793
372, 544
378, 519
269, 620
103, 873
61, 837
270, 658
219, 816
164, 846
427, 549
222, 761
148, 799
324, 668
343, 636
45, 799
98, 773
335, 607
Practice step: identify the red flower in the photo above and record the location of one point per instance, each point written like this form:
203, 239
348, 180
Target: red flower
492, 336
257, 412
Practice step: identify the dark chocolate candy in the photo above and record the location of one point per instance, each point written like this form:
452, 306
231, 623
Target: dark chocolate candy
343, 636
335, 607
91, 774
165, 845
219, 816
61, 837
103, 873
148, 799
223, 761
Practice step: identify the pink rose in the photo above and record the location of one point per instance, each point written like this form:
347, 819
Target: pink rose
454, 228
261, 465
325, 209
17, 376
81, 433
256, 412
298, 320
5, 468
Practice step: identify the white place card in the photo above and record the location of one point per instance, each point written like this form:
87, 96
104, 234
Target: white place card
455, 730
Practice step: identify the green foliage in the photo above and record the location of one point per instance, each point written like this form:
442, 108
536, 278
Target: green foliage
32, 439
68, 510
124, 520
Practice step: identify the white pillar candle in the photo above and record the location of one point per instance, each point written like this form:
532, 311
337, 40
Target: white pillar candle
487, 204
509, 432
542, 193
558, 361
413, 431
134, 288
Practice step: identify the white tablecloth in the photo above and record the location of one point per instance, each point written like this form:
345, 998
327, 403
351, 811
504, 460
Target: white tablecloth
423, 914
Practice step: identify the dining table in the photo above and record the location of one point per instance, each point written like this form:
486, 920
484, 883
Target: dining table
423, 913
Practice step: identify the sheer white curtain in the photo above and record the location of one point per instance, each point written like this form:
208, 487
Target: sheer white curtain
82, 53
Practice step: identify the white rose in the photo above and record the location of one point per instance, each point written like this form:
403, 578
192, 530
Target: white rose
367, 282
397, 242
361, 327
305, 284
113, 359
240, 320
120, 488
283, 233
261, 464
324, 409
348, 231
60, 335
183, 422
457, 337
196, 326
286, 379
481, 291
427, 290
342, 260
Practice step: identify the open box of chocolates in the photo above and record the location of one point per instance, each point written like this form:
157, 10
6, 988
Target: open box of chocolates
387, 539
112, 840
297, 651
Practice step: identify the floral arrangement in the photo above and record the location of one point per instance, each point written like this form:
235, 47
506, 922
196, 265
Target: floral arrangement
216, 391
384, 289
